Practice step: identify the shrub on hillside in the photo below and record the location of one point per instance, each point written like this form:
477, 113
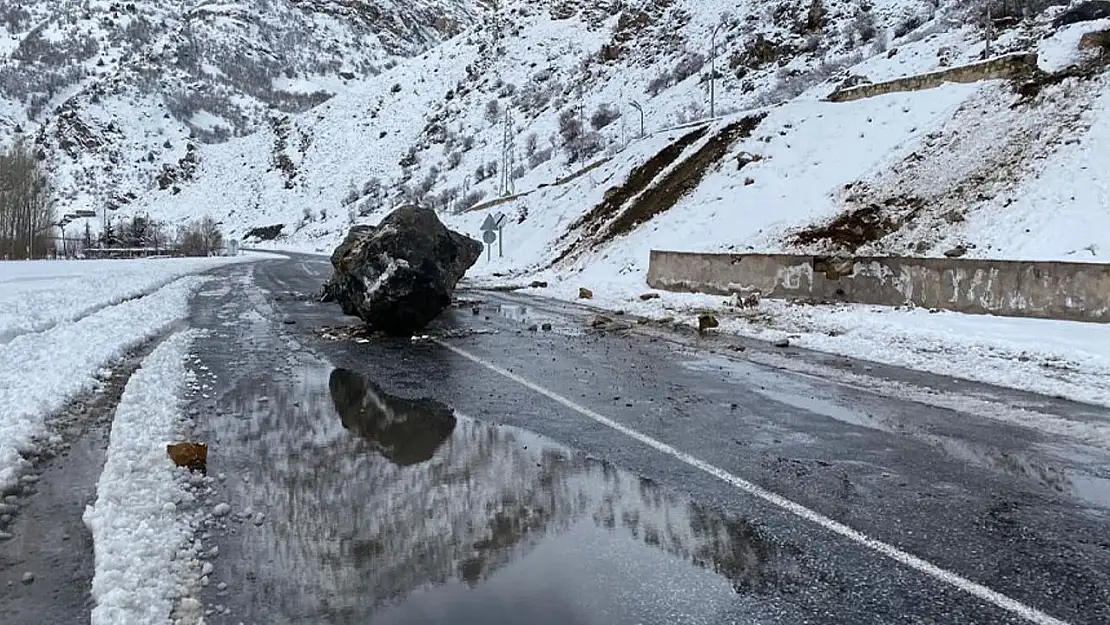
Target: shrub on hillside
539, 157
467, 201
604, 115
493, 111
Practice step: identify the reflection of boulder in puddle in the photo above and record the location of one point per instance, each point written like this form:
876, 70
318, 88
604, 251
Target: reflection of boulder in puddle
405, 431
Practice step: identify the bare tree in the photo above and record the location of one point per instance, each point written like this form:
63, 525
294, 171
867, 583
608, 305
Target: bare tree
200, 238
26, 205
211, 235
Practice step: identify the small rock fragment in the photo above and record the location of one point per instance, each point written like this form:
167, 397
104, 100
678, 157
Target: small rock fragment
782, 343
598, 321
956, 252
221, 586
193, 456
584, 293
5, 536
546, 327
954, 216
649, 296
707, 321
221, 509
259, 519
28, 578
538, 284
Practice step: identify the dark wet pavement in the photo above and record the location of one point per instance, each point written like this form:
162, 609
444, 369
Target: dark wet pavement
394, 481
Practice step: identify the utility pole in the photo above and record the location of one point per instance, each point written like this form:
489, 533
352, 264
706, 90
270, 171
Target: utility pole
713, 71
990, 31
507, 155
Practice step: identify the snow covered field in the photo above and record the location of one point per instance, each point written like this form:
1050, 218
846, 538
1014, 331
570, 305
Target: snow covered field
62, 322
37, 295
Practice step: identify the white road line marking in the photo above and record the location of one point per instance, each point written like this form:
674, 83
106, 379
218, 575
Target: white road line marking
962, 583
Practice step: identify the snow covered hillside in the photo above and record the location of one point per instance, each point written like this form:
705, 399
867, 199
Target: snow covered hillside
118, 96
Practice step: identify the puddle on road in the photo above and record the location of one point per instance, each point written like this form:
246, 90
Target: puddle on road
389, 510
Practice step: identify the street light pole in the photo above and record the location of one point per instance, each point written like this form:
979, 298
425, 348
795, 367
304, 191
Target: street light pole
636, 105
713, 72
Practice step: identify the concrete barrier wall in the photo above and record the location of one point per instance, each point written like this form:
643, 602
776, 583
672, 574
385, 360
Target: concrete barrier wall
1052, 290
1010, 66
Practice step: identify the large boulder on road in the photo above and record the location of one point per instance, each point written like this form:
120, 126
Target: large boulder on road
399, 275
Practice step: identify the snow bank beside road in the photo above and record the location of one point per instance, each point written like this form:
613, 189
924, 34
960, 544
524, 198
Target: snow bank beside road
40, 372
36, 295
145, 556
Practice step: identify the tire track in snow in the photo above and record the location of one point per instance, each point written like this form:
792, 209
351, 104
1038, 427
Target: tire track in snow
144, 518
47, 325
39, 373
48, 536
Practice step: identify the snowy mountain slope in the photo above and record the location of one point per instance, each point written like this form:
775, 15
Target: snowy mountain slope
114, 93
582, 67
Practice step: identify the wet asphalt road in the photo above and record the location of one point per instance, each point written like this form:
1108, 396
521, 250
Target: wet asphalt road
377, 480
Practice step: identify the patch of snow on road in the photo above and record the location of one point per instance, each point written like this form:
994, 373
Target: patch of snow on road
40, 372
145, 558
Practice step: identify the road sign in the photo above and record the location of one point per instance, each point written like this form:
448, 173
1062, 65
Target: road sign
489, 236
489, 224
499, 220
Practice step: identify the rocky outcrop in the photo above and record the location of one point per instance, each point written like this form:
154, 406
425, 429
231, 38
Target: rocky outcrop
1083, 12
399, 275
